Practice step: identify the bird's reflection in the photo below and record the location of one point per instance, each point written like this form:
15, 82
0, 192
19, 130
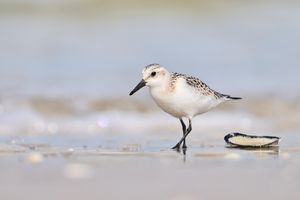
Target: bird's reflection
181, 151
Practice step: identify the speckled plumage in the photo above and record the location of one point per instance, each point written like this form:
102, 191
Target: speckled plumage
195, 83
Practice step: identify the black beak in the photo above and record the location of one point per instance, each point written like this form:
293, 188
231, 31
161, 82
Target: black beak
139, 86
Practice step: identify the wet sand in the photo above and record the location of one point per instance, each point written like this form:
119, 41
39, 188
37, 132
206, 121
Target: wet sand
147, 170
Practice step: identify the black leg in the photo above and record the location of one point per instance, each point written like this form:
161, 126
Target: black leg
183, 132
177, 146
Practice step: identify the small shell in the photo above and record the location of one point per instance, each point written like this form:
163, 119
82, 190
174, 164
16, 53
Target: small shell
243, 140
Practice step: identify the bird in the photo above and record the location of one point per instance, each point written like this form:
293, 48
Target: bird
180, 95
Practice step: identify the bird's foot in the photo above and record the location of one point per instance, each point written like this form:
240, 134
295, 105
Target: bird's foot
176, 147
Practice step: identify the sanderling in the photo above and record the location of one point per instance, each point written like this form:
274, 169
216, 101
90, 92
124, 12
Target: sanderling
180, 95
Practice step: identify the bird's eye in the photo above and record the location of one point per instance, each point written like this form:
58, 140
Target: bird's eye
153, 74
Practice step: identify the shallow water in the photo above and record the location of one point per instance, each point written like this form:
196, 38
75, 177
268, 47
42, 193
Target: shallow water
84, 169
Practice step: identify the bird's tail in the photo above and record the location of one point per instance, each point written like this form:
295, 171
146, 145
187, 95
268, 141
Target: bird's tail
232, 98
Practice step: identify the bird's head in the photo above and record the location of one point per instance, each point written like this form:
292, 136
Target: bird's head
153, 75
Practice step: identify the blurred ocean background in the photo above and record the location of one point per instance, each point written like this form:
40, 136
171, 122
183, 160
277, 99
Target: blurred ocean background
67, 66
69, 130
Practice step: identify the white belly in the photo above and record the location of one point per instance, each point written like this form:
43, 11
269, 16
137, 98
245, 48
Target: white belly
184, 102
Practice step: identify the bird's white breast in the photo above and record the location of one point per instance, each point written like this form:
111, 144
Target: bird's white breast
183, 100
